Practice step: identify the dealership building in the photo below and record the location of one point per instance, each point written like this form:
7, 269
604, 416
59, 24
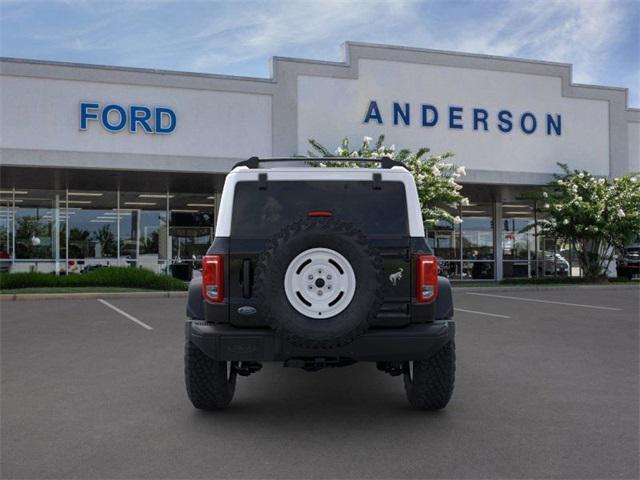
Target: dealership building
103, 165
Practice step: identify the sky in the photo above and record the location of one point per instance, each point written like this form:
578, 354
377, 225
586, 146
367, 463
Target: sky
601, 38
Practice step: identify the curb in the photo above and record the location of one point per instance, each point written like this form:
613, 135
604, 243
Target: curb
89, 295
536, 288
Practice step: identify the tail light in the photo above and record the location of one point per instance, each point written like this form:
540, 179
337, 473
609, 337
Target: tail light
427, 278
213, 278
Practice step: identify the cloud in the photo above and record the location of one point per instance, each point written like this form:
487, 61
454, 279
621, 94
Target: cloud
599, 37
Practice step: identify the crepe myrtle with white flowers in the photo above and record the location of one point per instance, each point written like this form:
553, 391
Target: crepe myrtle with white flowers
434, 176
596, 216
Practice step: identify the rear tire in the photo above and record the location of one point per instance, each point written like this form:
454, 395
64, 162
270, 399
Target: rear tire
210, 384
429, 383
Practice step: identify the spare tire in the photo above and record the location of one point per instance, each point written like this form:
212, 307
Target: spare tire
319, 283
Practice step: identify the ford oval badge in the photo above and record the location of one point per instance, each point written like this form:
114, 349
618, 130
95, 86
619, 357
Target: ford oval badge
246, 310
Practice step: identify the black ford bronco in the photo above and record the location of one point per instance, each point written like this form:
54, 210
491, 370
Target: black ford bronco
316, 268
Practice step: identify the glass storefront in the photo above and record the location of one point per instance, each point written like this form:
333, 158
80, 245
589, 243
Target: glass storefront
70, 231
466, 251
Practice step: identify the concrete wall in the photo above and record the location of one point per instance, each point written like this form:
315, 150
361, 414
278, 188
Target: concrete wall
223, 119
329, 108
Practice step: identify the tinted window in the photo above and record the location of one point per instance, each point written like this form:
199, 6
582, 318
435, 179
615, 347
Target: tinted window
264, 212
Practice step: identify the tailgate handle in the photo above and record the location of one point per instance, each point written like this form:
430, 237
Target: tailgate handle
246, 278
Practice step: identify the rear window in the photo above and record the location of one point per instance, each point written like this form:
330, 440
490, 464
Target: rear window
259, 213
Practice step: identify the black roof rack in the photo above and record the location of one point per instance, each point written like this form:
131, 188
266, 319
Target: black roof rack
254, 162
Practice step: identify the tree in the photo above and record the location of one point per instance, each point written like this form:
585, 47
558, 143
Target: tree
596, 216
435, 177
105, 237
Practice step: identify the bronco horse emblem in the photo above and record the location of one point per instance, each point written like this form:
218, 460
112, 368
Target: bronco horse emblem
394, 278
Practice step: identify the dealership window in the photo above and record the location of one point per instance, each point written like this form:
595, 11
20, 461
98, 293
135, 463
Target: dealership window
192, 224
77, 230
466, 250
518, 240
92, 231
444, 239
477, 242
144, 229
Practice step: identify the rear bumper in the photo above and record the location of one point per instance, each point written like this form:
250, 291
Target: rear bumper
227, 343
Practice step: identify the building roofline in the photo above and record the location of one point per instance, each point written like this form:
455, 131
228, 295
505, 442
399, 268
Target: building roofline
96, 66
346, 62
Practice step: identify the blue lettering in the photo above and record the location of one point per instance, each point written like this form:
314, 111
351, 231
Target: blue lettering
480, 115
399, 112
425, 116
105, 118
523, 123
162, 112
455, 113
373, 112
85, 114
557, 125
139, 115
504, 117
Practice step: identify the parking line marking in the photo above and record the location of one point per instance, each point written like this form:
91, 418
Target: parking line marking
456, 309
544, 301
125, 314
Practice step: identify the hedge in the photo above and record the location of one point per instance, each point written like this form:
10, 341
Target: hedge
102, 277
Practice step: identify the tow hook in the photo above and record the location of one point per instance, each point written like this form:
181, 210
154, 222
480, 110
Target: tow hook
392, 368
245, 369
318, 363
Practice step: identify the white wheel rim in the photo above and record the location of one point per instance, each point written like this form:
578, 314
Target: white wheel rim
320, 283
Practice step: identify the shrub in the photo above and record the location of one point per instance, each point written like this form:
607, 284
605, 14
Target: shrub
436, 178
125, 277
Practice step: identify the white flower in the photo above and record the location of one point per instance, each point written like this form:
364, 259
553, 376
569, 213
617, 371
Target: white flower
435, 170
367, 139
464, 202
560, 182
565, 221
381, 149
558, 207
461, 170
339, 152
546, 205
581, 175
374, 155
457, 220
545, 195
354, 155
634, 179
392, 147
621, 213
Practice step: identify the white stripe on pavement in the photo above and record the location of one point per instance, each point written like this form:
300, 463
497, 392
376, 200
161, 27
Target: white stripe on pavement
125, 314
456, 309
543, 301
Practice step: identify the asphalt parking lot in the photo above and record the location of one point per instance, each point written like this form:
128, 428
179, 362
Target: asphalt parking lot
546, 387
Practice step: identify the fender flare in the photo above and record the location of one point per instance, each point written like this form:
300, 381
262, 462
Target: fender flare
195, 302
444, 302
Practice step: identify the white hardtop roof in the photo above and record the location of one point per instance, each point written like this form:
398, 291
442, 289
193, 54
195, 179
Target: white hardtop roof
293, 174
319, 170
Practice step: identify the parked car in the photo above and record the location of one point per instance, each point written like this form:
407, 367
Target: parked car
5, 262
554, 264
628, 263
317, 268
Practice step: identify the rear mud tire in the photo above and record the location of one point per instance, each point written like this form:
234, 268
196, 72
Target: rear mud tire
210, 384
429, 383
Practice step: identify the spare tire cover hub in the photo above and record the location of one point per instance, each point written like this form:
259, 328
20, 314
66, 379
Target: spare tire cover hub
320, 283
